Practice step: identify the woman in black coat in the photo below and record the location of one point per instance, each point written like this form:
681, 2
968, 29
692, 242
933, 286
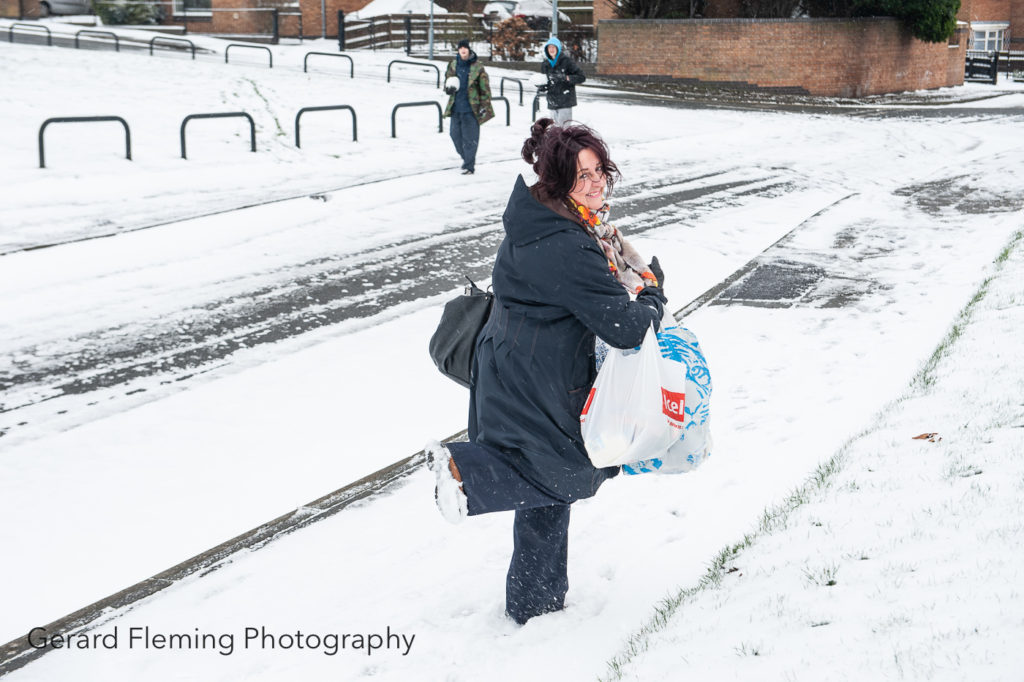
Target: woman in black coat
556, 286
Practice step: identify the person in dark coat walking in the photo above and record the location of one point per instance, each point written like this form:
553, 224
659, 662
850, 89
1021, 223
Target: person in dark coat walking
562, 75
469, 103
555, 289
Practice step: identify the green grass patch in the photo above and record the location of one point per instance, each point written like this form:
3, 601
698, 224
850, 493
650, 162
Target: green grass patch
256, 89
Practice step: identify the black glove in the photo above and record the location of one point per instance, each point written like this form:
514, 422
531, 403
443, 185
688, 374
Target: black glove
450, 91
655, 267
654, 298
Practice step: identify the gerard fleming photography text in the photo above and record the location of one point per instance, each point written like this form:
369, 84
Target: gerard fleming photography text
145, 638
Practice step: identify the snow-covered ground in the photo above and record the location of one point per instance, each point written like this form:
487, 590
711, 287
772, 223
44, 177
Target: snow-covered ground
901, 217
901, 558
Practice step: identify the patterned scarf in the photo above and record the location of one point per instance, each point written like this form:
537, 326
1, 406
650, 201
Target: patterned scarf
623, 260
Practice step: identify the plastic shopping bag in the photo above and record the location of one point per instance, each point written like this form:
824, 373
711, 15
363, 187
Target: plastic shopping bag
681, 355
632, 411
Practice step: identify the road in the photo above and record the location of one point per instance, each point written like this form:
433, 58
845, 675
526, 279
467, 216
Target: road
303, 296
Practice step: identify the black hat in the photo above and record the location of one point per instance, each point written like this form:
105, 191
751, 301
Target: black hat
463, 43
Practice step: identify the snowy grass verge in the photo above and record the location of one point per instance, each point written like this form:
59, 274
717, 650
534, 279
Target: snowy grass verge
934, 492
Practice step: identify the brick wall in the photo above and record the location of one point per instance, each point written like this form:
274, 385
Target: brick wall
225, 21
311, 15
988, 10
964, 13
837, 57
1017, 24
604, 9
1011, 11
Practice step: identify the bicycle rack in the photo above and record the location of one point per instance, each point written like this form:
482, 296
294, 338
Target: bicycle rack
536, 107
34, 27
419, 64
251, 47
351, 64
93, 32
508, 109
501, 89
167, 39
327, 108
440, 114
85, 119
233, 114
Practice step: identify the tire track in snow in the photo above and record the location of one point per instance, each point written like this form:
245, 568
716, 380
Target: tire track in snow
144, 355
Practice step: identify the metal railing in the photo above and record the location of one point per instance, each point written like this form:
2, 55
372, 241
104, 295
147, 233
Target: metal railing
167, 39
325, 108
419, 64
95, 33
84, 119
517, 81
440, 114
508, 109
270, 55
232, 114
1009, 60
351, 64
34, 27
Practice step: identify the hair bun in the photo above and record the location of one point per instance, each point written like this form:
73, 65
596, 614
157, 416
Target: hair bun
532, 143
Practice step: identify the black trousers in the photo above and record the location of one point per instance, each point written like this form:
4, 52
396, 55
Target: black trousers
538, 576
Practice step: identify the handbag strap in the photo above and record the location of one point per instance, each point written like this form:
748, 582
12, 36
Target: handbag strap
473, 289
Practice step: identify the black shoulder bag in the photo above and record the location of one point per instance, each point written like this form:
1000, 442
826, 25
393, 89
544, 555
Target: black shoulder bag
454, 341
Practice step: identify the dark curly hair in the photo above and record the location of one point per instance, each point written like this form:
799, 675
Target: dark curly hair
553, 152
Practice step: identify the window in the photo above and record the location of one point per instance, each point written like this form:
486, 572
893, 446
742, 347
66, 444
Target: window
193, 8
988, 37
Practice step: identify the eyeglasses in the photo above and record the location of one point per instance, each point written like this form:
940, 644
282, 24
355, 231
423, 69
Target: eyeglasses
587, 176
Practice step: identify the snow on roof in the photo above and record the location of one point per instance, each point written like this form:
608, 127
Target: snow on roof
378, 8
534, 7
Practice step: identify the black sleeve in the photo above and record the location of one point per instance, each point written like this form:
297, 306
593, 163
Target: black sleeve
574, 72
581, 283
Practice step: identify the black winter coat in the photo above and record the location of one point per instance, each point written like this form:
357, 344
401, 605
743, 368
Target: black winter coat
563, 78
534, 362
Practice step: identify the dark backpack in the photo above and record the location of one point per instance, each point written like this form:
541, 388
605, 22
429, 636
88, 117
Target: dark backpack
454, 341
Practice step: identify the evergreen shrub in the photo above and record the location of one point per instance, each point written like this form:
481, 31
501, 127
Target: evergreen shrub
933, 21
126, 12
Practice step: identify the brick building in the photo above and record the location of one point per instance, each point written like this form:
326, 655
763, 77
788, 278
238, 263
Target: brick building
994, 24
253, 17
310, 18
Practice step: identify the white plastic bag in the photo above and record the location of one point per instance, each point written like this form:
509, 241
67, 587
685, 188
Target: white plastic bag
631, 412
681, 355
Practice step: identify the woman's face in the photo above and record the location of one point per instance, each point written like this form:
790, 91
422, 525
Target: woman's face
589, 188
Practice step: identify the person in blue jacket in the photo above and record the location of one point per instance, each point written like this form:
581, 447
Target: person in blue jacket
556, 288
562, 75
